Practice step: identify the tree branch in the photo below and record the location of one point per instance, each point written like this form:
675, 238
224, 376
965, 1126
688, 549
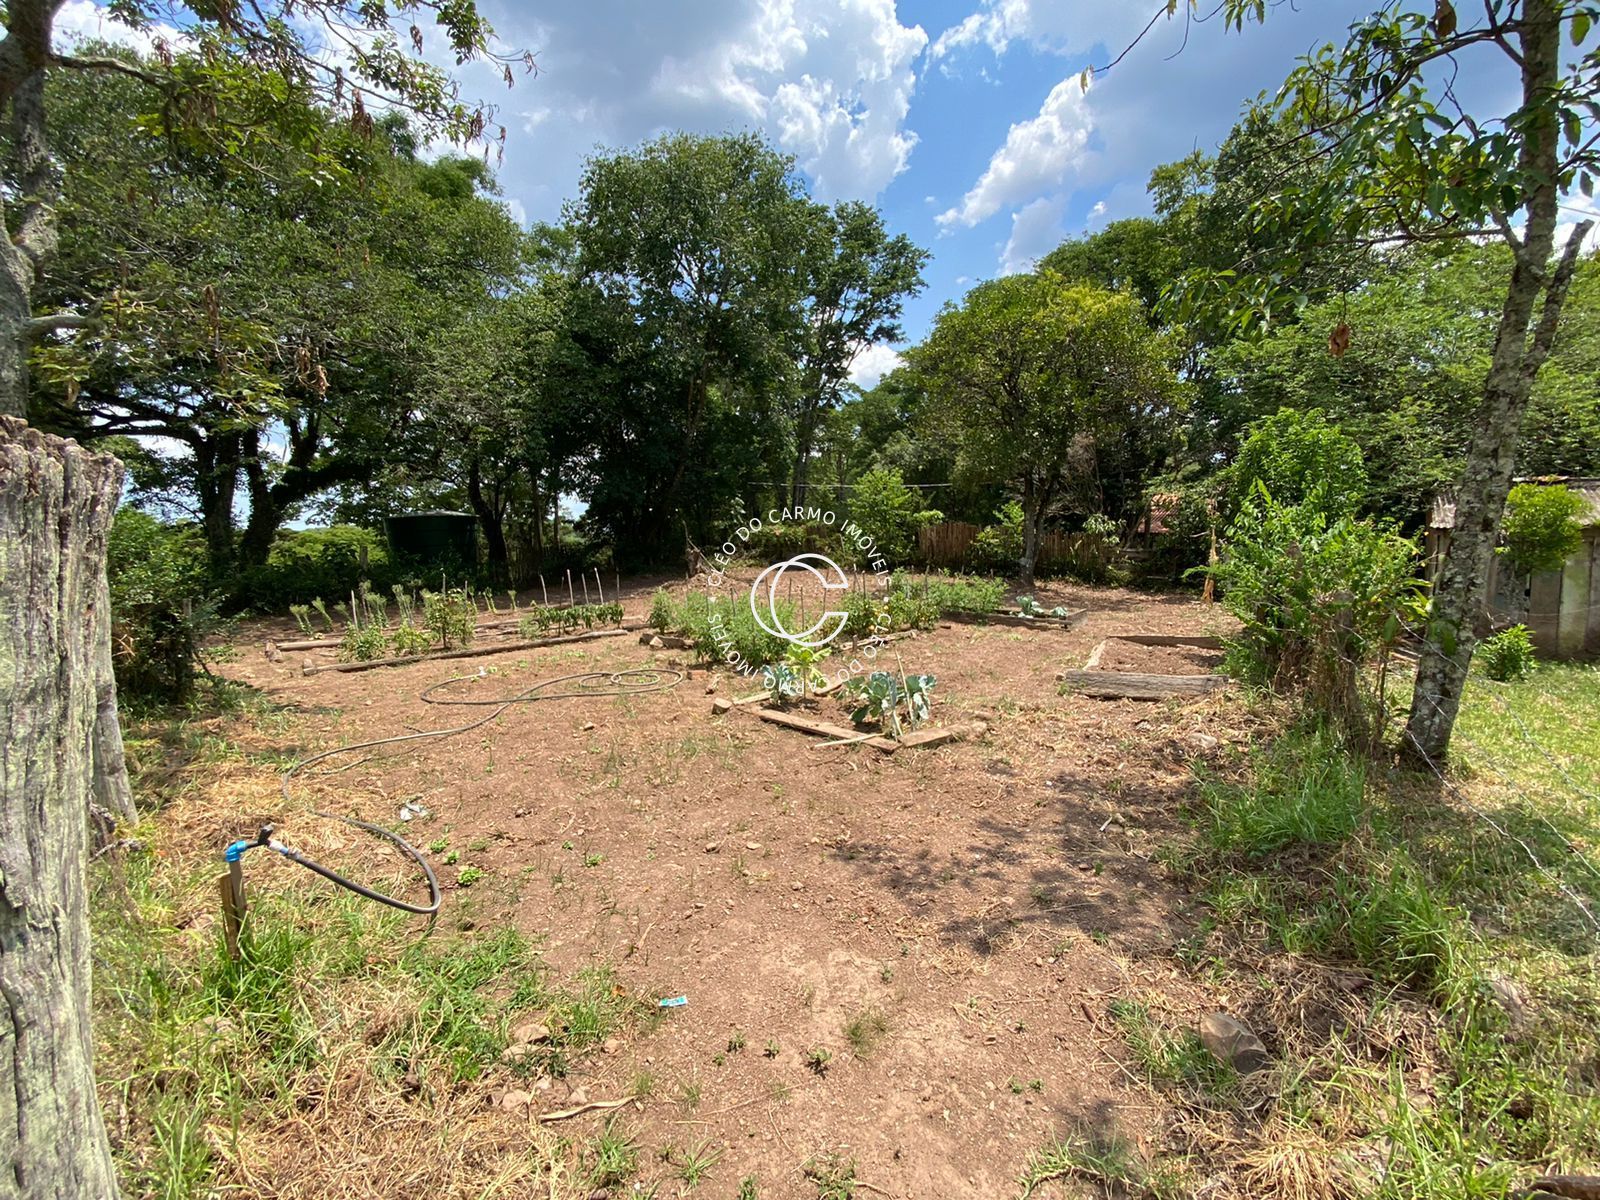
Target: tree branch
62, 320
103, 63
1544, 335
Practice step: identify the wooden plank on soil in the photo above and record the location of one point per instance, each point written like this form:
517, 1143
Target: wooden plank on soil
944, 733
1131, 686
1017, 620
824, 729
1199, 641
841, 733
471, 652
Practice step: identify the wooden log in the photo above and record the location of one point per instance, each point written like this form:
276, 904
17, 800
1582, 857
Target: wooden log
1131, 686
471, 652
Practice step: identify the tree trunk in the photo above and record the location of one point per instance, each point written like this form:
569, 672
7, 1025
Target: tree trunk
494, 526
56, 505
216, 483
805, 436
1461, 590
1032, 515
16, 282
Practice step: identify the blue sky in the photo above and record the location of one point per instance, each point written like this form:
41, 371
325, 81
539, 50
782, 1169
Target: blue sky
962, 119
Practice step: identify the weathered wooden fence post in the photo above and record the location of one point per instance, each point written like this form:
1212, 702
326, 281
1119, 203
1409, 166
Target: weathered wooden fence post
56, 504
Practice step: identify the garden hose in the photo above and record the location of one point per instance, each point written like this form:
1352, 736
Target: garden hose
580, 683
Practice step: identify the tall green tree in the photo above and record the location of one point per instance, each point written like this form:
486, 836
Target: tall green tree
858, 278
696, 248
270, 320
1405, 163
1058, 388
1409, 384
56, 501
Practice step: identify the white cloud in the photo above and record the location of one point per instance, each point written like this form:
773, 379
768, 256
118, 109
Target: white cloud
829, 81
79, 20
995, 26
1038, 155
1035, 231
1053, 26
872, 364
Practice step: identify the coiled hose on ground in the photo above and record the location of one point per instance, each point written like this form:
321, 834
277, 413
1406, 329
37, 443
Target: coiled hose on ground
577, 684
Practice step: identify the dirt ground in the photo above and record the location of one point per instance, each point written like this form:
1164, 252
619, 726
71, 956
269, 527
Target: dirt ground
970, 909
1158, 660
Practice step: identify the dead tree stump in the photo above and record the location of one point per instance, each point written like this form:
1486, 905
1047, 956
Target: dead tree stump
56, 504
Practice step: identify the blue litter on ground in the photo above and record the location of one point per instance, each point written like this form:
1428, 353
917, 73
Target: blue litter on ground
673, 1002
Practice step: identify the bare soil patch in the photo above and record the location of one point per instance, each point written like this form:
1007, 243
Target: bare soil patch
948, 925
1120, 655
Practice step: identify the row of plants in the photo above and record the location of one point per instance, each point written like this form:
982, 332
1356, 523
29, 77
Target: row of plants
316, 618
443, 620
543, 622
715, 625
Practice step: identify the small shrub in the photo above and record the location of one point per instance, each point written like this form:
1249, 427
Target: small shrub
905, 609
959, 594
1320, 599
556, 621
883, 506
864, 616
1541, 528
451, 617
409, 640
1507, 656
162, 606
363, 643
661, 611
998, 547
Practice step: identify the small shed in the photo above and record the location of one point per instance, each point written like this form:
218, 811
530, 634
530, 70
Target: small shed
1560, 608
448, 539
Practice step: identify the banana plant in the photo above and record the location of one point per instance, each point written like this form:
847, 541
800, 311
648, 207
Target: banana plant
804, 663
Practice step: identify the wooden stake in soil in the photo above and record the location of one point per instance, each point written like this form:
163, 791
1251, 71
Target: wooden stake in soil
231, 884
571, 598
585, 581
544, 592
598, 586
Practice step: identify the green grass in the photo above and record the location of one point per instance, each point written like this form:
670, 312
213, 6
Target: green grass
1107, 1161
1172, 1058
1427, 897
209, 1057
833, 1175
864, 1030
1306, 791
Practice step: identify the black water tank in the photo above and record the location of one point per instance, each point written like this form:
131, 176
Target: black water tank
445, 538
